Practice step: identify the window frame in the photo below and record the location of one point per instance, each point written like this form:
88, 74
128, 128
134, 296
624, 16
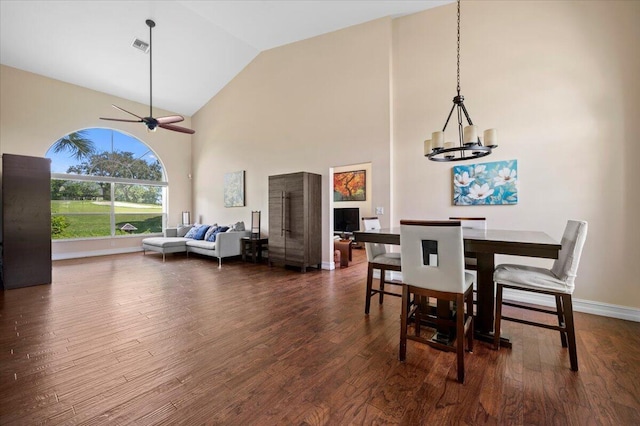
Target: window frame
113, 181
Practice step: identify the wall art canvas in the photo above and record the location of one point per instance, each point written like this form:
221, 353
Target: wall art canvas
494, 183
350, 186
234, 189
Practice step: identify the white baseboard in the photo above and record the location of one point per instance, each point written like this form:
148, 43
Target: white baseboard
579, 305
81, 254
391, 275
330, 266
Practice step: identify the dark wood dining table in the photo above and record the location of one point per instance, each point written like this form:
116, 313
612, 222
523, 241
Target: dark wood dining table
485, 244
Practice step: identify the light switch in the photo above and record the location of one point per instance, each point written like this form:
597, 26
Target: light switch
379, 210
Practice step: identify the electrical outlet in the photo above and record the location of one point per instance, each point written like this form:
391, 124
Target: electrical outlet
379, 210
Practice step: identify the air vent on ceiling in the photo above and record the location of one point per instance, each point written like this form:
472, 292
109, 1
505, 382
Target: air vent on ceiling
141, 45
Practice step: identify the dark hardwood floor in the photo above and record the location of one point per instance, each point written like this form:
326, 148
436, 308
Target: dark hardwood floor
128, 339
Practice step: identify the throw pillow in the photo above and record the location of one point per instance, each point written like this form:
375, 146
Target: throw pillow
210, 231
192, 231
212, 238
182, 230
239, 226
201, 232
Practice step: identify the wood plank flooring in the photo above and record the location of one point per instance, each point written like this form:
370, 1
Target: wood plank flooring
128, 339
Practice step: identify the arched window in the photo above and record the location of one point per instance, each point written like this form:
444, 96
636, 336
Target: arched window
105, 183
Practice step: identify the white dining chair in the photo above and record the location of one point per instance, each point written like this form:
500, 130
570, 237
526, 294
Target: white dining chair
559, 281
378, 258
433, 267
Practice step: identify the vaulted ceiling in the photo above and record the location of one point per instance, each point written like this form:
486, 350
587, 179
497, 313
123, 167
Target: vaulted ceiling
198, 46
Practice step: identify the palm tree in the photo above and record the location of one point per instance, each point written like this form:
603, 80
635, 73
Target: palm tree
76, 143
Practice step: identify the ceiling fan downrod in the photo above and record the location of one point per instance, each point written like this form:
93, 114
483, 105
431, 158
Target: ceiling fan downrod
150, 24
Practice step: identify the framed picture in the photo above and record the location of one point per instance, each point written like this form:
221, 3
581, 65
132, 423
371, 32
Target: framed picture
494, 183
350, 186
234, 189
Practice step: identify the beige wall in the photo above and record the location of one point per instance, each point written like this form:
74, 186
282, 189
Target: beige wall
560, 82
36, 111
308, 106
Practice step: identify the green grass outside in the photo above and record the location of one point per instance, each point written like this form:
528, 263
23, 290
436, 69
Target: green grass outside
79, 206
89, 219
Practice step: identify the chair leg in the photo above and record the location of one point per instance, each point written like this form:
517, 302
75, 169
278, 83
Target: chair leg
383, 276
498, 317
561, 320
460, 336
571, 332
470, 315
417, 315
367, 303
403, 323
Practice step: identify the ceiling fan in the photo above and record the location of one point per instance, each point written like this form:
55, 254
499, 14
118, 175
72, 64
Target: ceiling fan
151, 122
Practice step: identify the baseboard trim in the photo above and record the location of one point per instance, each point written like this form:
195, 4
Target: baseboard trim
579, 305
329, 266
81, 254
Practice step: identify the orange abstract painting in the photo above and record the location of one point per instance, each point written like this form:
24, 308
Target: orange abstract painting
350, 186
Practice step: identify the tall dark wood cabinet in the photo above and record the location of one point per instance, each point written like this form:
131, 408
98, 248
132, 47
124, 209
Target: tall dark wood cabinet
295, 220
26, 221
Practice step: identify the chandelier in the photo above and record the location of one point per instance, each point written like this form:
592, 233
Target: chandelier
469, 143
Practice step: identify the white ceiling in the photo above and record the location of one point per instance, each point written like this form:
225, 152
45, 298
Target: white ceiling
198, 46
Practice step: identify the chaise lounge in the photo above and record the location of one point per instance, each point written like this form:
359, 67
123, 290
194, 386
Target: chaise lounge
222, 244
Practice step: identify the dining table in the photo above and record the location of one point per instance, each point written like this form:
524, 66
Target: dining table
485, 244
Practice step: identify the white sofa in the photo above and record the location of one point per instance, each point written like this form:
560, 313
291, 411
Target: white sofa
227, 244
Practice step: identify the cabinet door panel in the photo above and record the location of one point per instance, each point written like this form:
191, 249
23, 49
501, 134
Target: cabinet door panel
295, 214
314, 220
276, 218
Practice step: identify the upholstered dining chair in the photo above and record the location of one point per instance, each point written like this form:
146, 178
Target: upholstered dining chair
380, 259
480, 223
433, 267
557, 281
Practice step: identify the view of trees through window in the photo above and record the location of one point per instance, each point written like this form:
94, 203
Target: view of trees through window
104, 184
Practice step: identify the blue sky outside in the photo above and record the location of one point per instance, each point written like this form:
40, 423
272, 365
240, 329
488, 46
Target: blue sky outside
104, 140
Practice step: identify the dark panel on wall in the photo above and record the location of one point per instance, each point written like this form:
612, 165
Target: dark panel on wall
26, 221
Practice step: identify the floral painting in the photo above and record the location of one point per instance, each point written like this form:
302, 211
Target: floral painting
492, 183
234, 189
350, 186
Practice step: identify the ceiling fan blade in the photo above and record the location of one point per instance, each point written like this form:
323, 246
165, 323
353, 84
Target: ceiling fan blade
124, 110
170, 119
121, 119
176, 128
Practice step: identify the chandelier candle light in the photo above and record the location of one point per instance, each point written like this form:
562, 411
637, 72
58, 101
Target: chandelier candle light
469, 146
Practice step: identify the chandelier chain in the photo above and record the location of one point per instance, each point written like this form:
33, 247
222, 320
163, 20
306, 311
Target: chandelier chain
458, 88
469, 144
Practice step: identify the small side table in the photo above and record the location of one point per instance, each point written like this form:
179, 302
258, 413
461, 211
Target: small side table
344, 247
255, 247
